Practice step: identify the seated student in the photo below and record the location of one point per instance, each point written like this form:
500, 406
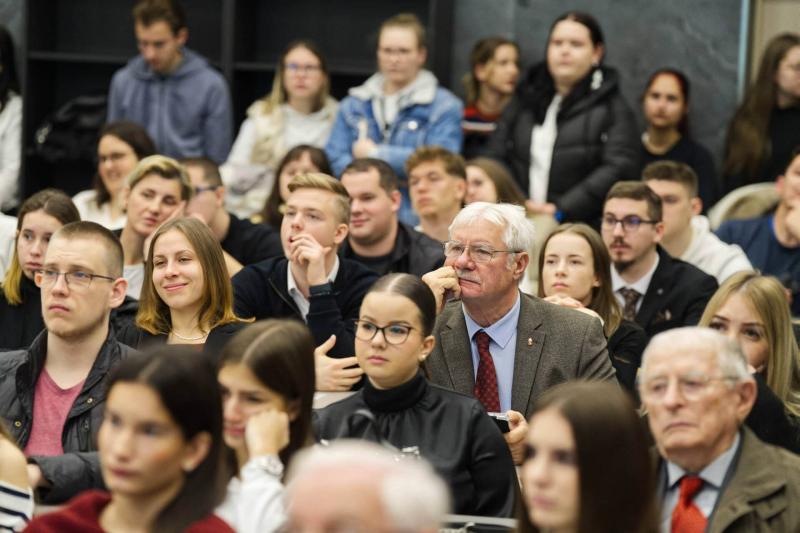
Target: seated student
715, 474
575, 271
299, 160
772, 242
157, 189
655, 290
121, 146
187, 297
298, 109
398, 109
267, 382
161, 451
587, 468
437, 181
242, 241
686, 232
489, 181
490, 83
377, 239
363, 486
16, 498
310, 283
39, 217
50, 393
752, 310
398, 407
665, 106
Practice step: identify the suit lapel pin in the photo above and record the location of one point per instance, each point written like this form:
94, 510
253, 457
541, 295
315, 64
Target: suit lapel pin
530, 341
660, 292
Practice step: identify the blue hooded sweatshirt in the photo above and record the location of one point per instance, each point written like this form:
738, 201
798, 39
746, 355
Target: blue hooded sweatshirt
187, 112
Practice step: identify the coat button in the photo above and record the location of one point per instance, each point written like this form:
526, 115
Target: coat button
412, 125
90, 400
17, 424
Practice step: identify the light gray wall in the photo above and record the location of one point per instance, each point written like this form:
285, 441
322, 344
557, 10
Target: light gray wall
699, 37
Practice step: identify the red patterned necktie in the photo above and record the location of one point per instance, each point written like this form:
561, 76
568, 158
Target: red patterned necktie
686, 517
486, 381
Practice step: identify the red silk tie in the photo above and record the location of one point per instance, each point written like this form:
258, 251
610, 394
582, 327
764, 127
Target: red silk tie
486, 381
686, 517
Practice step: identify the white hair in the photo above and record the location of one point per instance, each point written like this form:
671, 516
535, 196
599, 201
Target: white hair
414, 497
730, 358
518, 231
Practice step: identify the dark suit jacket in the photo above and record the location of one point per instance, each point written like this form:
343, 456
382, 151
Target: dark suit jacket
554, 344
677, 295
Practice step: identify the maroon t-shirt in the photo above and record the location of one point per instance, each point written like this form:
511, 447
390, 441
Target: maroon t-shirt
51, 405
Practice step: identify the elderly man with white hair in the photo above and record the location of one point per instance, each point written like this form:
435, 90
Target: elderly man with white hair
493, 341
716, 476
359, 486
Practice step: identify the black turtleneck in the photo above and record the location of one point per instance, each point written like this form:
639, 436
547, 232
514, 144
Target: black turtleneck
450, 430
399, 398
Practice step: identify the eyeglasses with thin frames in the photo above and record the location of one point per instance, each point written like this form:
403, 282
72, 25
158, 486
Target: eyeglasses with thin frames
74, 280
692, 386
629, 223
479, 253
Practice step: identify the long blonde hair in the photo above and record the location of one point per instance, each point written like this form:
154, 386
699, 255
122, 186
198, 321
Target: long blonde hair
217, 305
767, 297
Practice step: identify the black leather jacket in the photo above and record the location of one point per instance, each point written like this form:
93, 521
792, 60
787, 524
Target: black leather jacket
79, 468
450, 430
597, 142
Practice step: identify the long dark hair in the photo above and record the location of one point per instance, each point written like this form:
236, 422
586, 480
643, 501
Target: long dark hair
271, 214
603, 301
187, 386
508, 192
683, 83
280, 353
8, 67
747, 144
482, 52
134, 136
616, 478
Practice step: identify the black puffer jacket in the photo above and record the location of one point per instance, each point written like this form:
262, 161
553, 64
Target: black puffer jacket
597, 142
79, 468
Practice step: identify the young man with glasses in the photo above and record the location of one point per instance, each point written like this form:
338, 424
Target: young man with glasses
496, 343
653, 289
51, 394
243, 242
715, 474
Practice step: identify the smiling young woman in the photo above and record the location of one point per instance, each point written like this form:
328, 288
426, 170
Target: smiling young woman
187, 297
400, 409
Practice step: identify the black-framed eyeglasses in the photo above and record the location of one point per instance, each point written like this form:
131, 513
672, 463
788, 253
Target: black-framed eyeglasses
478, 252
393, 333
74, 279
629, 223
204, 188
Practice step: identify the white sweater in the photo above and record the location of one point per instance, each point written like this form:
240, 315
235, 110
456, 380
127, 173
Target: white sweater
10, 150
711, 255
254, 502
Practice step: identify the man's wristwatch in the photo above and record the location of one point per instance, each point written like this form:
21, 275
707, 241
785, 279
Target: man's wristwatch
271, 464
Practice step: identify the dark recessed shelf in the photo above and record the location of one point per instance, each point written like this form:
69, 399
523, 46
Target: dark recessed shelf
347, 68
76, 57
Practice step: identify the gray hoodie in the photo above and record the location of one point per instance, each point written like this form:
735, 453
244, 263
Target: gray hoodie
187, 112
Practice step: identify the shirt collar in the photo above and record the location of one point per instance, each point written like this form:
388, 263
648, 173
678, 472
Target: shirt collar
713, 474
291, 284
640, 285
502, 330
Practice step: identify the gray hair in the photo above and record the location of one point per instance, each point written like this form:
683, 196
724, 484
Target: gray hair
730, 358
414, 497
518, 231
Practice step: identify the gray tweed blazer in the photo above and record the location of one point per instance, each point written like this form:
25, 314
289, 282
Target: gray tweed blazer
554, 344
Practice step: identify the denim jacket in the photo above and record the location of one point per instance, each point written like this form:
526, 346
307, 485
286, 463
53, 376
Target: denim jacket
428, 115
